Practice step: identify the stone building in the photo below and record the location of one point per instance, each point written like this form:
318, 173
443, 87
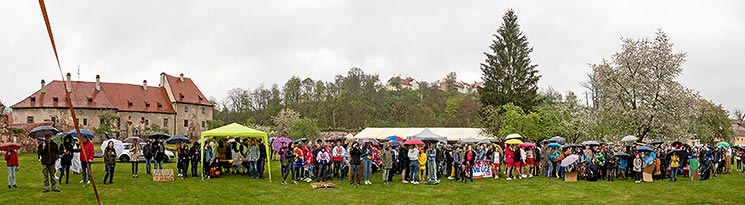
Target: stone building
176, 105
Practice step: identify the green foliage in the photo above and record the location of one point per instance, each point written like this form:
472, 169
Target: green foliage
108, 120
351, 102
508, 74
305, 128
711, 122
214, 123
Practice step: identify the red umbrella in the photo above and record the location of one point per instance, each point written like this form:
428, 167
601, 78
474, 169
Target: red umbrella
414, 141
9, 145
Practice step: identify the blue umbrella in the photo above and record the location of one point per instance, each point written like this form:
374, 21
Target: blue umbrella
644, 149
177, 138
554, 144
395, 143
84, 133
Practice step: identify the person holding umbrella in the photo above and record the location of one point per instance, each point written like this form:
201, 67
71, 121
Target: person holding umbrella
67, 148
49, 152
160, 153
354, 159
11, 161
413, 155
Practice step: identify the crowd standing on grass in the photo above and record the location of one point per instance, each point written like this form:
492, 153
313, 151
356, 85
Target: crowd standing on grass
422, 163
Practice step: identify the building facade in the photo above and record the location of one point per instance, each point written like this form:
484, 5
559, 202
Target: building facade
176, 105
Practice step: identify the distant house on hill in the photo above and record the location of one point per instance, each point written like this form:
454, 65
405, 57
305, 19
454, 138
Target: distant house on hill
397, 83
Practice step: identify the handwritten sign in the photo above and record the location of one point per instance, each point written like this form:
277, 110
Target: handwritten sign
482, 169
162, 175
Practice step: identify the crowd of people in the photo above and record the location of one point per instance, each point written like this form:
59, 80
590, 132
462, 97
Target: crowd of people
425, 163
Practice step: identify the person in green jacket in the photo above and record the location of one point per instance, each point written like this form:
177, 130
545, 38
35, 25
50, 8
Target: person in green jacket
693, 167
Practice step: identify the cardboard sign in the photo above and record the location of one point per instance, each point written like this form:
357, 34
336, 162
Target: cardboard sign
647, 174
482, 169
162, 175
570, 177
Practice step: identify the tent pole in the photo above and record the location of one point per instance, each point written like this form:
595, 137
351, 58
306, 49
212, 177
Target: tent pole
202, 156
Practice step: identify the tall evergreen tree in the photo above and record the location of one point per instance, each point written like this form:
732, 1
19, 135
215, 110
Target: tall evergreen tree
509, 76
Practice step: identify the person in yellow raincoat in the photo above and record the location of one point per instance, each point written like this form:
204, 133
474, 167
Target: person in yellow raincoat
422, 164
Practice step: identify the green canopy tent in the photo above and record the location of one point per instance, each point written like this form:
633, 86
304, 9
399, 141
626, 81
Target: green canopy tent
236, 130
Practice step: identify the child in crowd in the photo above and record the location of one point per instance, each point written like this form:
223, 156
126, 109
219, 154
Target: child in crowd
422, 159
638, 162
497, 158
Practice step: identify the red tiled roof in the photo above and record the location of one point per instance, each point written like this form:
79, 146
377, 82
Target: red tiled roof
124, 94
112, 96
739, 130
186, 91
81, 92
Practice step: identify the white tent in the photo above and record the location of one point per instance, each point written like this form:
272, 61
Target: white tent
452, 133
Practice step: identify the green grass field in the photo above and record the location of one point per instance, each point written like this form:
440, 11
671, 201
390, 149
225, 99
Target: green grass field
239, 189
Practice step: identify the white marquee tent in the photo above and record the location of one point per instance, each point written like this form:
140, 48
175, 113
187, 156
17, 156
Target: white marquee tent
452, 133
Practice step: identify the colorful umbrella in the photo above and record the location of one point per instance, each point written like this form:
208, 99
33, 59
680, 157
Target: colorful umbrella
177, 138
513, 136
368, 140
569, 160
41, 131
394, 138
132, 139
554, 144
513, 141
629, 138
9, 146
277, 143
722, 144
527, 144
84, 133
60, 138
395, 143
413, 142
118, 146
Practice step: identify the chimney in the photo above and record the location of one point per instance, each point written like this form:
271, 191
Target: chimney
98, 83
42, 86
144, 85
181, 77
162, 79
69, 83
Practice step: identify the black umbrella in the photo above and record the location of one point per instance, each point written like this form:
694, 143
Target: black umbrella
468, 141
621, 154
159, 135
300, 140
657, 142
484, 142
41, 131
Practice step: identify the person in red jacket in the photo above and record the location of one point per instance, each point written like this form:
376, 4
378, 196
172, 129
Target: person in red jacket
11, 158
86, 157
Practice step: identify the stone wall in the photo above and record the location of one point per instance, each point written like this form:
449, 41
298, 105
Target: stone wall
7, 135
196, 116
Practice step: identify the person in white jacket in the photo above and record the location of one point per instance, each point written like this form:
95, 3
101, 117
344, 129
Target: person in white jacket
413, 162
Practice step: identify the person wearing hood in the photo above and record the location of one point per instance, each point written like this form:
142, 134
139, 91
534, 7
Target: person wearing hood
48, 150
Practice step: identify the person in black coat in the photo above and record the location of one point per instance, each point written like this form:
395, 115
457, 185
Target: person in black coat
147, 151
403, 161
355, 155
194, 157
67, 149
262, 159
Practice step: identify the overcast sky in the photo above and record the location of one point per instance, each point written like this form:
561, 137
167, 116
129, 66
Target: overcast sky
227, 44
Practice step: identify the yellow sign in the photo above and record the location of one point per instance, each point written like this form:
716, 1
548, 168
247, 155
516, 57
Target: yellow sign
162, 175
